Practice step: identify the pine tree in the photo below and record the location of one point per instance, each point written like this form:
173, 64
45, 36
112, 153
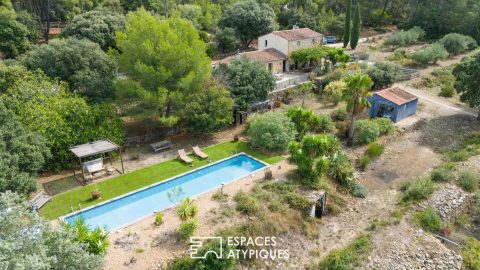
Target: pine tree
346, 28
356, 28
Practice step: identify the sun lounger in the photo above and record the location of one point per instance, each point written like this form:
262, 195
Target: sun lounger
39, 200
199, 152
159, 146
183, 156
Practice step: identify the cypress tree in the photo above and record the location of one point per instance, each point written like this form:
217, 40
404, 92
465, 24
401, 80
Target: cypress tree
356, 28
346, 28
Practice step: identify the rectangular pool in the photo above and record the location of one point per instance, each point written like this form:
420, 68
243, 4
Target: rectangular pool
131, 207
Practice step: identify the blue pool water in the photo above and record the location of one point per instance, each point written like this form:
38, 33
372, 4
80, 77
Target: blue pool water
125, 210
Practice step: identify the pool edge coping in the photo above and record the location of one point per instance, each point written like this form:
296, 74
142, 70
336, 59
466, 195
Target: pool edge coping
267, 165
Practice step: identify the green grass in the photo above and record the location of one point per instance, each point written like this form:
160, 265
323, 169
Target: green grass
60, 205
347, 258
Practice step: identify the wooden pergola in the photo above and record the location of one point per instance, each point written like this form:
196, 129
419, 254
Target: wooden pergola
101, 147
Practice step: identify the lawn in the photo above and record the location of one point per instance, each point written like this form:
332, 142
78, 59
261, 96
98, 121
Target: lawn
60, 205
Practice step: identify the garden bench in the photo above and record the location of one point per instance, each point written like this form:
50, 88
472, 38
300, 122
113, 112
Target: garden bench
39, 200
159, 146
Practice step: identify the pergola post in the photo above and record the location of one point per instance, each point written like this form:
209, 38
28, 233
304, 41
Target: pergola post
121, 159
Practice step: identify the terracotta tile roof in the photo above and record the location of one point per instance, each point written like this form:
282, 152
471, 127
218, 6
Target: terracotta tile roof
396, 95
297, 34
264, 56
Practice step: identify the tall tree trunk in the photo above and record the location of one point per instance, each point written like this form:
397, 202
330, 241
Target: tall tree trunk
478, 116
351, 132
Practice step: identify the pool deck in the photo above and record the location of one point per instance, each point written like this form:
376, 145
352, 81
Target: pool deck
251, 174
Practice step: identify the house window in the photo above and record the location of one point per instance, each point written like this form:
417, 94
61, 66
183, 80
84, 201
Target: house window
298, 43
266, 43
313, 41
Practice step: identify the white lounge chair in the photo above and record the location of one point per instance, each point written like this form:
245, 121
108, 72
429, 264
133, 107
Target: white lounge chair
199, 152
183, 156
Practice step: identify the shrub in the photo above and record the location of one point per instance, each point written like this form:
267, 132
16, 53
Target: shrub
188, 228
246, 203
366, 131
447, 91
417, 189
271, 131
400, 54
333, 92
346, 258
306, 121
95, 240
456, 43
159, 219
210, 260
383, 75
429, 220
359, 191
187, 210
298, 201
385, 125
431, 54
363, 162
443, 173
402, 38
374, 150
471, 254
339, 114
211, 50
340, 170
468, 180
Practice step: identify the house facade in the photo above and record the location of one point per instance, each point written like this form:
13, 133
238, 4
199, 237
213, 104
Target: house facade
287, 41
274, 48
394, 103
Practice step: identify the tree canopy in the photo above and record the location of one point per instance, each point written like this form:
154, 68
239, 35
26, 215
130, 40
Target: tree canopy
164, 61
247, 80
99, 26
209, 109
62, 118
22, 154
87, 69
467, 83
249, 19
13, 37
30, 243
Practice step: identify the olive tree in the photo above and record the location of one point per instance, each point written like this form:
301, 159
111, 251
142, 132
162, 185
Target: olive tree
31, 243
247, 80
99, 26
87, 69
271, 131
249, 19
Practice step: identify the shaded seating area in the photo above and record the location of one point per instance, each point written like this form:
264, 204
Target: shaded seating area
199, 153
91, 168
183, 156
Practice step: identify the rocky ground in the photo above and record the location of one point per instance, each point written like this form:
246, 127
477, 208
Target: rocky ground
402, 247
449, 201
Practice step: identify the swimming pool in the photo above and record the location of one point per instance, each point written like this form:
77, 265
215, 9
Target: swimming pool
138, 204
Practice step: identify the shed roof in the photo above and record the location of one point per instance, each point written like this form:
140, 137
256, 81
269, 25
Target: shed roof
297, 34
264, 56
93, 148
396, 95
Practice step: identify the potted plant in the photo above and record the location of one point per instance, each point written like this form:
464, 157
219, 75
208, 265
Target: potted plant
96, 193
236, 138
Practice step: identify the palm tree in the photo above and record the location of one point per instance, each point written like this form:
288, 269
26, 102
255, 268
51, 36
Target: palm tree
355, 94
304, 90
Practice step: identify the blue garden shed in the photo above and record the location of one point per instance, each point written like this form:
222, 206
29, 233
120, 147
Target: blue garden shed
394, 103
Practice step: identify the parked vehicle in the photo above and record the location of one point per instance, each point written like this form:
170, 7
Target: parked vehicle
331, 39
